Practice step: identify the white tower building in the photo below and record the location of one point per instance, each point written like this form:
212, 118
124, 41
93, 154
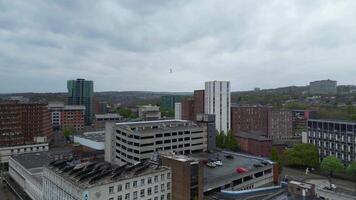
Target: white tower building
218, 102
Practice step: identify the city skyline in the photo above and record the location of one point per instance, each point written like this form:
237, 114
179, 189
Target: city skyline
175, 46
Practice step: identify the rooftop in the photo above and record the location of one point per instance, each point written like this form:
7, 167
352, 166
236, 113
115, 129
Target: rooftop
91, 174
97, 136
107, 115
255, 135
334, 121
148, 126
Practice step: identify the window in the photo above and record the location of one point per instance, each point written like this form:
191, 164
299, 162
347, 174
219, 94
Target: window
149, 180
149, 191
119, 197
162, 197
168, 175
168, 196
127, 186
156, 179
111, 190
168, 186
135, 195
142, 193
111, 198
162, 177
127, 196
134, 184
162, 187
119, 188
156, 188
142, 182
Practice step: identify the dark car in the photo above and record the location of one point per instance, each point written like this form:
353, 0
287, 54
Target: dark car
229, 157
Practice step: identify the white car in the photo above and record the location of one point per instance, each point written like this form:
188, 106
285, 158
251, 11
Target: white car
211, 164
218, 163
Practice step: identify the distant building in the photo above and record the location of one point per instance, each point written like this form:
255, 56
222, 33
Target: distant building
218, 102
257, 89
81, 92
280, 124
92, 180
254, 142
67, 115
21, 123
168, 102
101, 107
300, 120
188, 109
199, 96
249, 118
133, 142
178, 111
301, 189
101, 119
323, 87
187, 176
149, 112
333, 138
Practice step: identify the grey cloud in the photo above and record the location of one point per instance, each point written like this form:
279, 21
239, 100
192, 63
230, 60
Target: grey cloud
132, 44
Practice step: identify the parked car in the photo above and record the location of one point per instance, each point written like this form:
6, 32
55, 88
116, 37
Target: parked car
229, 157
211, 164
218, 163
241, 170
257, 165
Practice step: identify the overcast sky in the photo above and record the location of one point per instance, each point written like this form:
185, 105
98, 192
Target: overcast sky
133, 44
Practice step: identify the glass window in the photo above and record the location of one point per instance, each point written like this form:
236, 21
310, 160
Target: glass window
111, 190
134, 184
149, 180
119, 197
127, 186
162, 187
127, 196
156, 188
149, 191
156, 179
162, 177
135, 195
142, 193
119, 188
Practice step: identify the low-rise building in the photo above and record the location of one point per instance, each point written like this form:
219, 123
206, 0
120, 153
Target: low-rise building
249, 118
100, 119
149, 112
255, 143
133, 142
280, 124
94, 140
92, 180
67, 116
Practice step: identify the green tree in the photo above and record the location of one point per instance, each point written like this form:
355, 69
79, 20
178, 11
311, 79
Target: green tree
220, 140
230, 143
351, 170
302, 155
126, 113
276, 158
68, 131
330, 165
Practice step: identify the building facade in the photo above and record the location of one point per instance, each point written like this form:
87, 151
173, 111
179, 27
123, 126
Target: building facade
333, 138
280, 124
91, 181
217, 101
300, 120
178, 111
254, 143
249, 118
188, 109
168, 102
21, 123
81, 92
67, 116
324, 87
199, 96
149, 112
133, 142
101, 119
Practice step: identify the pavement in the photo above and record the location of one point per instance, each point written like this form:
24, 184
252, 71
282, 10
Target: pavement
301, 176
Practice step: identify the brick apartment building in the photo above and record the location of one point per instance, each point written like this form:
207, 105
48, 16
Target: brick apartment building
255, 143
67, 115
20, 123
249, 118
300, 120
193, 106
280, 124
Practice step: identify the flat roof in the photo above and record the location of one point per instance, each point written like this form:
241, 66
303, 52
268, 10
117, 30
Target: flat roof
97, 136
33, 160
220, 175
255, 135
334, 121
91, 174
108, 115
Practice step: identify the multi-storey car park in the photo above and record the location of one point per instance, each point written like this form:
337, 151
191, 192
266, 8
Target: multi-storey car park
333, 138
63, 180
133, 142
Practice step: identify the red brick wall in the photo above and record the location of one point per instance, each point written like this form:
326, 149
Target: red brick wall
198, 102
249, 119
74, 118
188, 109
255, 147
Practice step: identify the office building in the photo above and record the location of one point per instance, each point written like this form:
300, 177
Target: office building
193, 106
187, 176
333, 138
101, 119
168, 102
249, 118
133, 142
67, 116
218, 102
254, 142
21, 123
323, 87
80, 92
101, 107
102, 180
149, 112
178, 111
280, 124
